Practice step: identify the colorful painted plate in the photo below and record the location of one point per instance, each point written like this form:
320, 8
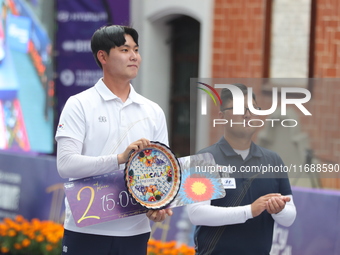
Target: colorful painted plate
153, 176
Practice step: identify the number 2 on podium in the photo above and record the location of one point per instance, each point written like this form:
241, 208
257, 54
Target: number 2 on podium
84, 217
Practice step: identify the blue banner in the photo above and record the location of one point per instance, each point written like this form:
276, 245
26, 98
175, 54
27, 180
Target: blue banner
316, 229
38, 34
30, 186
18, 32
77, 21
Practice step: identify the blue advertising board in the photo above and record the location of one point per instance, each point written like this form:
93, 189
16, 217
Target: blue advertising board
316, 229
38, 33
77, 21
30, 186
18, 32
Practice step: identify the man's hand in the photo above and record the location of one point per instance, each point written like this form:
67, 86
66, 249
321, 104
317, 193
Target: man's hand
136, 146
276, 204
260, 204
159, 215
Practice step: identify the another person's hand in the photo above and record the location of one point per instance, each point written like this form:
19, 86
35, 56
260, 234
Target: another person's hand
136, 146
159, 215
276, 204
260, 204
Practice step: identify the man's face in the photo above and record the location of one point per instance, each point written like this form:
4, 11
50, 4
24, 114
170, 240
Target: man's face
123, 62
237, 125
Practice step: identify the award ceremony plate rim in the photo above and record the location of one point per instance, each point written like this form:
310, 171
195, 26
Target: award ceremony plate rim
176, 177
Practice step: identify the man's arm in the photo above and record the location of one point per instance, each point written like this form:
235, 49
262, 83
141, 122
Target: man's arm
205, 214
282, 211
71, 164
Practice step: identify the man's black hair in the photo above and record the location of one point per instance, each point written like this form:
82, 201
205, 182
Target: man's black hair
227, 96
107, 37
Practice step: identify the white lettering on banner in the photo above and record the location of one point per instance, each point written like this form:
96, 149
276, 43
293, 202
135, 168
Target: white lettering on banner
88, 16
67, 77
10, 177
17, 32
65, 16
280, 237
77, 46
80, 77
87, 77
9, 196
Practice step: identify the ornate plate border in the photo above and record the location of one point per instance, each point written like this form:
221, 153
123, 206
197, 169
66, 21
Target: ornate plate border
176, 177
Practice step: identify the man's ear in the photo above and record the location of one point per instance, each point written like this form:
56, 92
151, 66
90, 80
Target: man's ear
220, 115
101, 55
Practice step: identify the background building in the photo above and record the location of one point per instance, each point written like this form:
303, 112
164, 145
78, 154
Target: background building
287, 39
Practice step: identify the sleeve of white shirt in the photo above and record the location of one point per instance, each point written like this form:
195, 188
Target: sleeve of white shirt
287, 216
205, 214
71, 164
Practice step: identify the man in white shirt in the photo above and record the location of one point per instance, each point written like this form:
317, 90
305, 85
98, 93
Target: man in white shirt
98, 128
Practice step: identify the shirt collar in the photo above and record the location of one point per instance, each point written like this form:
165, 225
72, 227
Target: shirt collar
107, 95
229, 151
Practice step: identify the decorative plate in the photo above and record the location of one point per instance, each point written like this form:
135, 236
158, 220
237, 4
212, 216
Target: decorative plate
153, 176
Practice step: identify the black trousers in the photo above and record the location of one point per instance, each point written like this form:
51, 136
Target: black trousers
87, 244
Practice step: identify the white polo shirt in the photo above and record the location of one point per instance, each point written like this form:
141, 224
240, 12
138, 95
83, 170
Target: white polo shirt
106, 126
